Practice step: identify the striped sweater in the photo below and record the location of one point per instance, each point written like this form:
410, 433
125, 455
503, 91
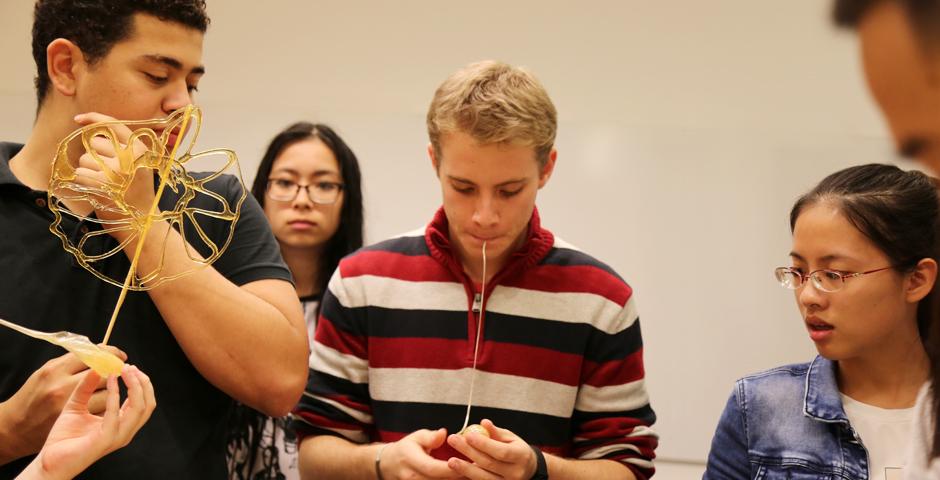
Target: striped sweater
560, 362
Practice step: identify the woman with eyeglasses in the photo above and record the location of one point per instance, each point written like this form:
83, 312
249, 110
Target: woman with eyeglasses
308, 184
862, 268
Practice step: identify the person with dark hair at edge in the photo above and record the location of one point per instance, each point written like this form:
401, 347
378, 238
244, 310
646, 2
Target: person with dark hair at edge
204, 339
308, 184
482, 306
900, 51
862, 265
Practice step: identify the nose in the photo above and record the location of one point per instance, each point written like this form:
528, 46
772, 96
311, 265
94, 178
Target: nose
485, 212
302, 199
808, 295
178, 97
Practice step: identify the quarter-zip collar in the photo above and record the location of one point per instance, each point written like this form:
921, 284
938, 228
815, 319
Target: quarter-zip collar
537, 244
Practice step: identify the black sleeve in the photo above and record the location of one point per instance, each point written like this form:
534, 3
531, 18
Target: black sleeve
253, 252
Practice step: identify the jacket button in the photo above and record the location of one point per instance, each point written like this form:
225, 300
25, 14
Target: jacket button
41, 202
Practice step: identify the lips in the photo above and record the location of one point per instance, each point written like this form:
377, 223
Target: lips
818, 329
301, 224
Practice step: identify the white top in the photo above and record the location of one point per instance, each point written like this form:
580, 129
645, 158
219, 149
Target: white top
885, 433
918, 468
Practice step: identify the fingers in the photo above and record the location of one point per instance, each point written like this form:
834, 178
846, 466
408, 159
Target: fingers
99, 401
110, 418
496, 433
85, 388
430, 439
504, 454
139, 404
117, 351
409, 458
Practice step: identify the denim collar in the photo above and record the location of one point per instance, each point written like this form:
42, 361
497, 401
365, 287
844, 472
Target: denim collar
823, 401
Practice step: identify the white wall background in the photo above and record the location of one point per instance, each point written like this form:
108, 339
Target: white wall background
687, 129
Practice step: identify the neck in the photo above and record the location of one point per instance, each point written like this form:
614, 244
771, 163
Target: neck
888, 378
33, 164
304, 265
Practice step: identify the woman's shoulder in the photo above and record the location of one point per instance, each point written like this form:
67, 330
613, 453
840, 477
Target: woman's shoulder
775, 386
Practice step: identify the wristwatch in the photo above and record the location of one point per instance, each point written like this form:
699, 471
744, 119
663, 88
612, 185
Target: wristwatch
541, 469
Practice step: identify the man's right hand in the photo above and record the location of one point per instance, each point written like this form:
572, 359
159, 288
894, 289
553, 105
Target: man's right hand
27, 416
409, 457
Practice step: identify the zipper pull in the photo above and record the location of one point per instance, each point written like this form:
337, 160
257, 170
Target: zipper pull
477, 302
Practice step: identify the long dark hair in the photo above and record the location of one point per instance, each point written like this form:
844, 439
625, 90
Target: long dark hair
247, 432
348, 237
899, 211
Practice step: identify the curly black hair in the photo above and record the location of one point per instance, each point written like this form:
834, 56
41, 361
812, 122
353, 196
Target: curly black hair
96, 25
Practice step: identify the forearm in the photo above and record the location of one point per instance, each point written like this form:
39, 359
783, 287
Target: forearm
326, 456
572, 469
12, 446
235, 336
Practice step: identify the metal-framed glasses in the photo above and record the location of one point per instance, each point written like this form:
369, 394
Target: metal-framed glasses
322, 193
824, 280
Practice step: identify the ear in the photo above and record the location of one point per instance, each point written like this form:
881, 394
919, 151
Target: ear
64, 64
921, 281
549, 167
435, 162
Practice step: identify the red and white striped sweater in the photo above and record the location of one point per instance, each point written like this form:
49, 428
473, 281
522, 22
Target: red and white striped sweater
560, 361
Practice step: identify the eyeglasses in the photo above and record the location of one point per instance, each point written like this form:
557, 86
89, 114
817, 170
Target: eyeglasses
322, 193
824, 280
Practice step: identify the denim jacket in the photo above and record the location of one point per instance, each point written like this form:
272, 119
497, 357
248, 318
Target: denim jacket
787, 423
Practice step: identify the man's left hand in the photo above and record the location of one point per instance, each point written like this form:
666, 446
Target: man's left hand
503, 455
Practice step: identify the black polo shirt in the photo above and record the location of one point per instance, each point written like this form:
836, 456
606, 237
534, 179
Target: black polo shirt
43, 287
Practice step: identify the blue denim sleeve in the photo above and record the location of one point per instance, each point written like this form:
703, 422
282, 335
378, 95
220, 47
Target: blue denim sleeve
728, 457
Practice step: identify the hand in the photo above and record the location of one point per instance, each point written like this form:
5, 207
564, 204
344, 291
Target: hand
124, 169
503, 455
28, 415
409, 457
78, 438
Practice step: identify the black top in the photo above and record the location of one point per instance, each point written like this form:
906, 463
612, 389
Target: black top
43, 287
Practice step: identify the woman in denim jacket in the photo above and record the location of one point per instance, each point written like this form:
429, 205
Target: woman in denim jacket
863, 267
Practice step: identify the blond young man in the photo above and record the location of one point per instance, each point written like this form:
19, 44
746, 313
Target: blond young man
559, 382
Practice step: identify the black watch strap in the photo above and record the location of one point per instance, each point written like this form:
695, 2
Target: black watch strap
541, 469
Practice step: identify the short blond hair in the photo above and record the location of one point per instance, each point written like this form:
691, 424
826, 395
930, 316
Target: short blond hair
494, 103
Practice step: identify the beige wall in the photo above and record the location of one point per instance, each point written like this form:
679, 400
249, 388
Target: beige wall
687, 128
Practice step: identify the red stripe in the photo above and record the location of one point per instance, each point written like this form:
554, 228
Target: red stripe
574, 278
495, 357
327, 334
614, 372
394, 265
326, 422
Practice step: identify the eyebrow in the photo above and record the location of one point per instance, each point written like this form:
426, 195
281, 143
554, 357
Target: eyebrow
317, 173
174, 63
825, 259
503, 184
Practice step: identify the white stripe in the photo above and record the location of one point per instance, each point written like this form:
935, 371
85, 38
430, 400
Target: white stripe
451, 387
640, 462
559, 243
418, 232
569, 307
358, 415
393, 293
338, 364
638, 431
617, 398
608, 449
